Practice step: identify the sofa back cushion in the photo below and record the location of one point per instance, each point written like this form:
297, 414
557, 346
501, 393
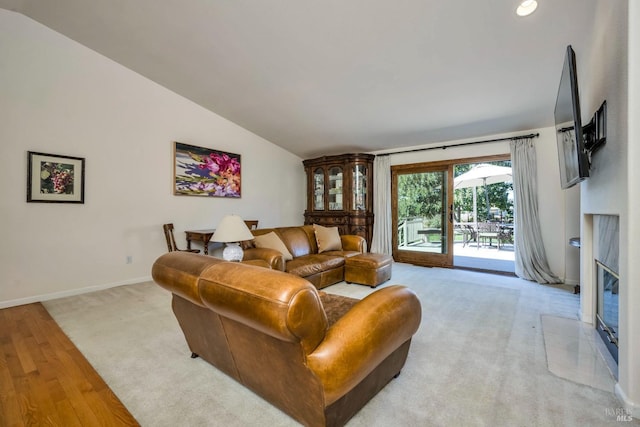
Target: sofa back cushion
278, 304
299, 240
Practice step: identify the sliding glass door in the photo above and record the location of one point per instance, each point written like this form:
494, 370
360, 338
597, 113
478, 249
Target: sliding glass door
427, 222
422, 228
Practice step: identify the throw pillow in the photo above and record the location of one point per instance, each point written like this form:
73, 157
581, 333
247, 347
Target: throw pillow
272, 241
328, 238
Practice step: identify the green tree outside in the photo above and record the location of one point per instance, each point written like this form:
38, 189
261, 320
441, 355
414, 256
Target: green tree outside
420, 196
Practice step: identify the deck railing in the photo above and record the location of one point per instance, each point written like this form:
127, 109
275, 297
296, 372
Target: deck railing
408, 231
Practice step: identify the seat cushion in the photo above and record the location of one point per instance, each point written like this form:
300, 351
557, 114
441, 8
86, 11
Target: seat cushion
312, 264
344, 254
336, 306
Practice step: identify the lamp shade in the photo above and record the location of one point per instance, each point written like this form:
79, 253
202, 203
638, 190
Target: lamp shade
232, 229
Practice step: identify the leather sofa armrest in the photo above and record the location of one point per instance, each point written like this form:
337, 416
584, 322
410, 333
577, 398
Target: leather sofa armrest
271, 256
357, 343
351, 242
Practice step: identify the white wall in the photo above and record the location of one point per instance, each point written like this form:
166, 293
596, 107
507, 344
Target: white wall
630, 245
59, 97
610, 70
602, 75
551, 198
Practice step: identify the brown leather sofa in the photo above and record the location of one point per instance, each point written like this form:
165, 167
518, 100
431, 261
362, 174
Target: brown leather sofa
318, 357
321, 269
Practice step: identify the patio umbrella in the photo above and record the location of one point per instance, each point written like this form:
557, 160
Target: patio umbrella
482, 174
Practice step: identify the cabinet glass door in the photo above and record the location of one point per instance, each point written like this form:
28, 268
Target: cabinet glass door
335, 189
359, 202
318, 189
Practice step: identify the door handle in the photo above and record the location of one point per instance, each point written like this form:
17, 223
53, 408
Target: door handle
451, 214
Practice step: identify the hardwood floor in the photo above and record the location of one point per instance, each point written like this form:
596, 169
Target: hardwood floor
45, 380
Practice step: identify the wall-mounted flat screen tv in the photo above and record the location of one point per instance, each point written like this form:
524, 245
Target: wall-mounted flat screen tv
572, 156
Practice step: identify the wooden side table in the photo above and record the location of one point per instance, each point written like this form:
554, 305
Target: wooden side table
203, 236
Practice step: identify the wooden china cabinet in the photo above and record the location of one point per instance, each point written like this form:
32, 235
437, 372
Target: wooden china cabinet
340, 193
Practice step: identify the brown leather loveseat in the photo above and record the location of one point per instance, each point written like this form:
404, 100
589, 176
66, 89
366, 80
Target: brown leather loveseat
316, 356
321, 268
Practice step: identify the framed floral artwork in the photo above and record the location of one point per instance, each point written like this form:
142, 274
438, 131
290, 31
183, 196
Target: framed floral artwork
202, 171
54, 178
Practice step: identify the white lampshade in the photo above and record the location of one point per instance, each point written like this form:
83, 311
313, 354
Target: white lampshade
231, 230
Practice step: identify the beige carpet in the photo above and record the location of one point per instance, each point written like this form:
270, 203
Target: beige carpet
478, 358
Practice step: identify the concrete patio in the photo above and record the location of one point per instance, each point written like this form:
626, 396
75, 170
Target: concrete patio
471, 255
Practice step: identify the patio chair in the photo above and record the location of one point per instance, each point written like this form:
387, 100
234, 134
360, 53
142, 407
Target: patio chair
488, 231
469, 235
505, 235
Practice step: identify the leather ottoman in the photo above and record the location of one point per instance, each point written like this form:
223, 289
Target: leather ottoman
368, 269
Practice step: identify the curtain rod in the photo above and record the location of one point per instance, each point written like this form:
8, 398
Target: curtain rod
444, 147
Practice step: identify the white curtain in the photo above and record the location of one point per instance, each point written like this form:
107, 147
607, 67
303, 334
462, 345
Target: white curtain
530, 257
381, 240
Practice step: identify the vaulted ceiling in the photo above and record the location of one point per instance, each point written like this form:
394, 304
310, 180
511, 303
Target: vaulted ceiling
336, 76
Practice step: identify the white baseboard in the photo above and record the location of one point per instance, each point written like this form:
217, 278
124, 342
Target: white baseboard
71, 292
631, 407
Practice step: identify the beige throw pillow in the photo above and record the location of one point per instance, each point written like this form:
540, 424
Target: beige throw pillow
328, 238
272, 241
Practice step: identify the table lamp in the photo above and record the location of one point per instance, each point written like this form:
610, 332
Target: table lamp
230, 231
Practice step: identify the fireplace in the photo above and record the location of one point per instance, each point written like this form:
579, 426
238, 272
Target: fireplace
607, 309
606, 230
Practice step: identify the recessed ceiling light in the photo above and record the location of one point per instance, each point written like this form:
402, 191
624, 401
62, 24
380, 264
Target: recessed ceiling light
527, 7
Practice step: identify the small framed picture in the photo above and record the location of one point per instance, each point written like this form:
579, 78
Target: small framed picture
55, 179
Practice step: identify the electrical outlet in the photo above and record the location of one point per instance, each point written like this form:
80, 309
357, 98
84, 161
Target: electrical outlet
129, 259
